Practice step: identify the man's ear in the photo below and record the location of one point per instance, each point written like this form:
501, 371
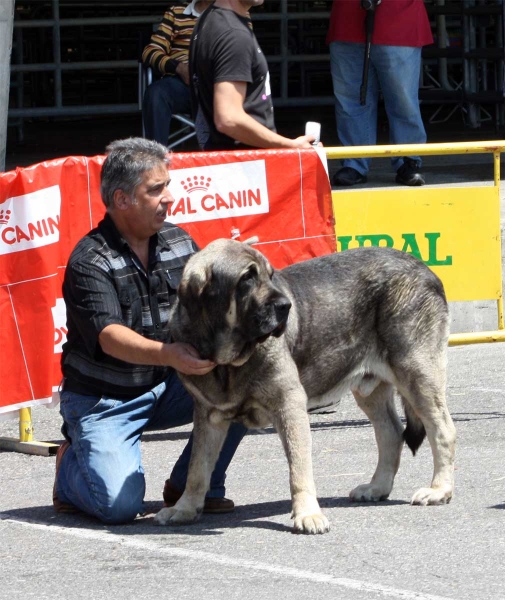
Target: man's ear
121, 200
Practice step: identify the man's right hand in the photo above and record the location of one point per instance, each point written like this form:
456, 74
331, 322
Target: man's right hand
182, 70
305, 141
123, 343
185, 358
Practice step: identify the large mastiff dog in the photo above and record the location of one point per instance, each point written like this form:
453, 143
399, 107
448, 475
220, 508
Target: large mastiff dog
370, 319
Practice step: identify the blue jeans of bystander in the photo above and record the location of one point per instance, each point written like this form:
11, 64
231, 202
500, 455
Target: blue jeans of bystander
101, 473
395, 71
162, 99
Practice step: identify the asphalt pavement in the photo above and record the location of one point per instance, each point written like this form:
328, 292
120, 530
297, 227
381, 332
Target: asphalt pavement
385, 550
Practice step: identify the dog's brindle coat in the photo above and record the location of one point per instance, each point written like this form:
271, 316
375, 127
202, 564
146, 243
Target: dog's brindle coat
370, 319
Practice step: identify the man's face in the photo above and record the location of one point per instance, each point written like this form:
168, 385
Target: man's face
151, 201
251, 3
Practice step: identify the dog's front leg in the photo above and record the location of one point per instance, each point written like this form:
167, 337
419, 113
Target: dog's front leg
208, 438
293, 427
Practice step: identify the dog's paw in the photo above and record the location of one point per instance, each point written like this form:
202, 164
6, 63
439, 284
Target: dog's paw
369, 492
172, 516
432, 496
311, 524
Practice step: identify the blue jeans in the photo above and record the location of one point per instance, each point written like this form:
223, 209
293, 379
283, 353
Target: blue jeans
101, 472
393, 69
162, 99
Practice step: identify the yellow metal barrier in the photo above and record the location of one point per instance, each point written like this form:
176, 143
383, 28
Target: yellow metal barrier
454, 230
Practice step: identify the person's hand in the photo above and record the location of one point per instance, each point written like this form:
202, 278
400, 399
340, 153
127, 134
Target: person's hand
305, 141
182, 70
185, 358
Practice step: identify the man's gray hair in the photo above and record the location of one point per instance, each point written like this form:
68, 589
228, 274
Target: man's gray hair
127, 161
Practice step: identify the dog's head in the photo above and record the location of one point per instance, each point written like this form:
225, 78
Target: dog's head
228, 303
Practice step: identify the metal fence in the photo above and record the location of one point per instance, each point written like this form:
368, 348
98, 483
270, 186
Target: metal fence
462, 72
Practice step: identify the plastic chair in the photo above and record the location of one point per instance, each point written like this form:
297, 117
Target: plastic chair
187, 129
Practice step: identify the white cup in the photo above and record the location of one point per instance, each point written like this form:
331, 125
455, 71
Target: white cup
313, 128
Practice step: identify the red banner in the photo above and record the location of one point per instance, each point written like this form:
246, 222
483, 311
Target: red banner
281, 197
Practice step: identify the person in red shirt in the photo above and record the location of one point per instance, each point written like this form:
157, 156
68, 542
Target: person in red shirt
401, 29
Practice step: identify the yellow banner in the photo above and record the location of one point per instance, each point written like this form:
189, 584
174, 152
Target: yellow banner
455, 231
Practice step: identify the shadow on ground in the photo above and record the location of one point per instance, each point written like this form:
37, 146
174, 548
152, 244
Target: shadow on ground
247, 515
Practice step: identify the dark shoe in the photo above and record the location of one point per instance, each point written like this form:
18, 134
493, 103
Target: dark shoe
59, 506
409, 173
213, 506
348, 176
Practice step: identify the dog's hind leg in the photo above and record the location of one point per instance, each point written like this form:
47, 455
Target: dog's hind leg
426, 407
379, 407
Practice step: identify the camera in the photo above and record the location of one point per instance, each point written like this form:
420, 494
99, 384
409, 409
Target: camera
370, 4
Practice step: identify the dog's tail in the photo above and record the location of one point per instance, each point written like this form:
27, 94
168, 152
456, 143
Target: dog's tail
415, 432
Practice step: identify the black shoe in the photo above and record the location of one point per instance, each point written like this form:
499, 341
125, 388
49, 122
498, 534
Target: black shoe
348, 176
213, 506
409, 173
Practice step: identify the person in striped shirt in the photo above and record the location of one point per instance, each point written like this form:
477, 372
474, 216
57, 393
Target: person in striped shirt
167, 55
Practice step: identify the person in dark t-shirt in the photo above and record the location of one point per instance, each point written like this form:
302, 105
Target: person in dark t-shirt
230, 82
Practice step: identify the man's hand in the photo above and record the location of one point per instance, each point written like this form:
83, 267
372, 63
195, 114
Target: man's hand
185, 358
123, 343
182, 70
305, 141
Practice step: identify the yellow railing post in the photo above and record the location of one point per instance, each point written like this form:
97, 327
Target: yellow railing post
26, 443
496, 161
25, 425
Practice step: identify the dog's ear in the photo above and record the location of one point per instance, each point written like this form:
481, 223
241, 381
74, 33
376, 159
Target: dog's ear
192, 285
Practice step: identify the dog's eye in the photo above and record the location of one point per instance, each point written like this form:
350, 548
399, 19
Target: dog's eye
247, 278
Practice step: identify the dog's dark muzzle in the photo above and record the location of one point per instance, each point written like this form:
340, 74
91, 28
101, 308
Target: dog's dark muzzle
282, 308
275, 321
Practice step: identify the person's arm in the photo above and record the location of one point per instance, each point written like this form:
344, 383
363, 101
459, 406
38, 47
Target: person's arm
94, 308
127, 345
160, 55
231, 119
